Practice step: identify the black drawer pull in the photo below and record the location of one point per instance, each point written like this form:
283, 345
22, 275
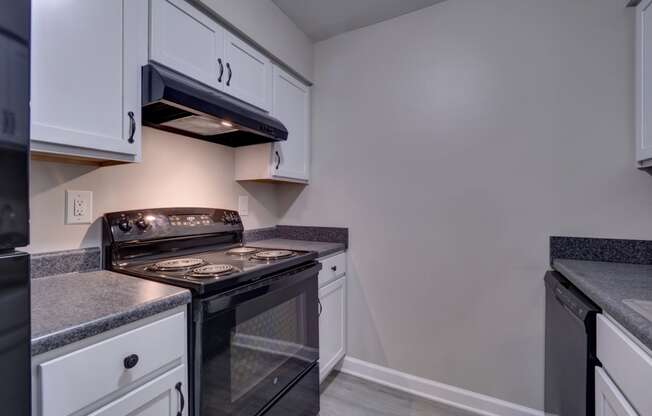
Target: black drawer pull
132, 126
131, 361
334, 268
183, 401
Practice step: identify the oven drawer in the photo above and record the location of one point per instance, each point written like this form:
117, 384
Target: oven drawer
73, 381
333, 267
301, 400
628, 365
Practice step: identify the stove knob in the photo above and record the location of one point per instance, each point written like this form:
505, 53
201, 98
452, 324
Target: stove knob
124, 224
142, 223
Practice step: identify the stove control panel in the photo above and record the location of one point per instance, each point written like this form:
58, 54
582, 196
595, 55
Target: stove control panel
171, 222
190, 220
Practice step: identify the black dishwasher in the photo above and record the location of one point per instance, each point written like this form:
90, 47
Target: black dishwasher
570, 349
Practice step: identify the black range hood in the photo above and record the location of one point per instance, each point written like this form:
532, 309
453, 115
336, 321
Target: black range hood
176, 103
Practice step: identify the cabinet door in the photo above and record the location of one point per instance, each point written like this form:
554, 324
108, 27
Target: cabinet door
186, 40
164, 396
332, 326
248, 73
644, 83
291, 105
609, 401
85, 75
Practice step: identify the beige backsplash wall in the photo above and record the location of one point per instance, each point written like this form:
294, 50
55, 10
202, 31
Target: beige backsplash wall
176, 171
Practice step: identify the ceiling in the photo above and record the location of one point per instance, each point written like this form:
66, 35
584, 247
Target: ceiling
322, 19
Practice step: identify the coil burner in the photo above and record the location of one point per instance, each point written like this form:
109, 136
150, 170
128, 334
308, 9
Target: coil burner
176, 264
212, 270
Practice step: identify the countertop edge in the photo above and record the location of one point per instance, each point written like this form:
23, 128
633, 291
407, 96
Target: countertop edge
58, 339
626, 319
329, 253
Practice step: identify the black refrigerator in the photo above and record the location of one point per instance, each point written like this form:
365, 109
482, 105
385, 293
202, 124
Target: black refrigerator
15, 352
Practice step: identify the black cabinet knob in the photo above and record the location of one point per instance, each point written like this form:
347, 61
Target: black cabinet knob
334, 268
131, 361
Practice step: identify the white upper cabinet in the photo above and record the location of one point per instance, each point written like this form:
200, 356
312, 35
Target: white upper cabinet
190, 42
644, 83
287, 161
291, 105
248, 73
85, 77
187, 41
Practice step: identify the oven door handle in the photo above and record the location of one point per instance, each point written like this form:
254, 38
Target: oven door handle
260, 288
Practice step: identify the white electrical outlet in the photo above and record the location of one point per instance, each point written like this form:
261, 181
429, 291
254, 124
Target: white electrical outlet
79, 207
243, 205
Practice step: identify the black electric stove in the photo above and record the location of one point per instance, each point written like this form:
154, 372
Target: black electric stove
254, 335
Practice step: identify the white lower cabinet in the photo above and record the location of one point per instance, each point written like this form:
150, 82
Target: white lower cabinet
609, 401
139, 369
163, 396
332, 323
622, 386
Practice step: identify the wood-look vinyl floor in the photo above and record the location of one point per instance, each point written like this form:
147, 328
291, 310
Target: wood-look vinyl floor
345, 395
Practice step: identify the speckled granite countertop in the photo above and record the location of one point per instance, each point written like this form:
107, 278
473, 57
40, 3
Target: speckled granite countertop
322, 249
68, 308
608, 285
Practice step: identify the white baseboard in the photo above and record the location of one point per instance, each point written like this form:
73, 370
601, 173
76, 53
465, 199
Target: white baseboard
477, 403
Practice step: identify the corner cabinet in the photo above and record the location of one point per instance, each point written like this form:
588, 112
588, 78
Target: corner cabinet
332, 313
86, 59
287, 161
644, 84
185, 39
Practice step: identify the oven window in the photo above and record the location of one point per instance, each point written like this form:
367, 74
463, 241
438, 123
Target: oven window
261, 345
251, 352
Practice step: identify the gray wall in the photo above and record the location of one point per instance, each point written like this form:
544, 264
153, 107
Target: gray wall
453, 141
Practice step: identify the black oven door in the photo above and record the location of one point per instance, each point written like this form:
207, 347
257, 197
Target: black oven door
255, 342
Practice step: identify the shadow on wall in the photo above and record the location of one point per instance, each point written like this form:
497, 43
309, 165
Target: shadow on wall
367, 345
93, 234
288, 194
53, 174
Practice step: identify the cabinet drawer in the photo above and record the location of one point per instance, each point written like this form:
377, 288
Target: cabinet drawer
628, 365
333, 267
73, 381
